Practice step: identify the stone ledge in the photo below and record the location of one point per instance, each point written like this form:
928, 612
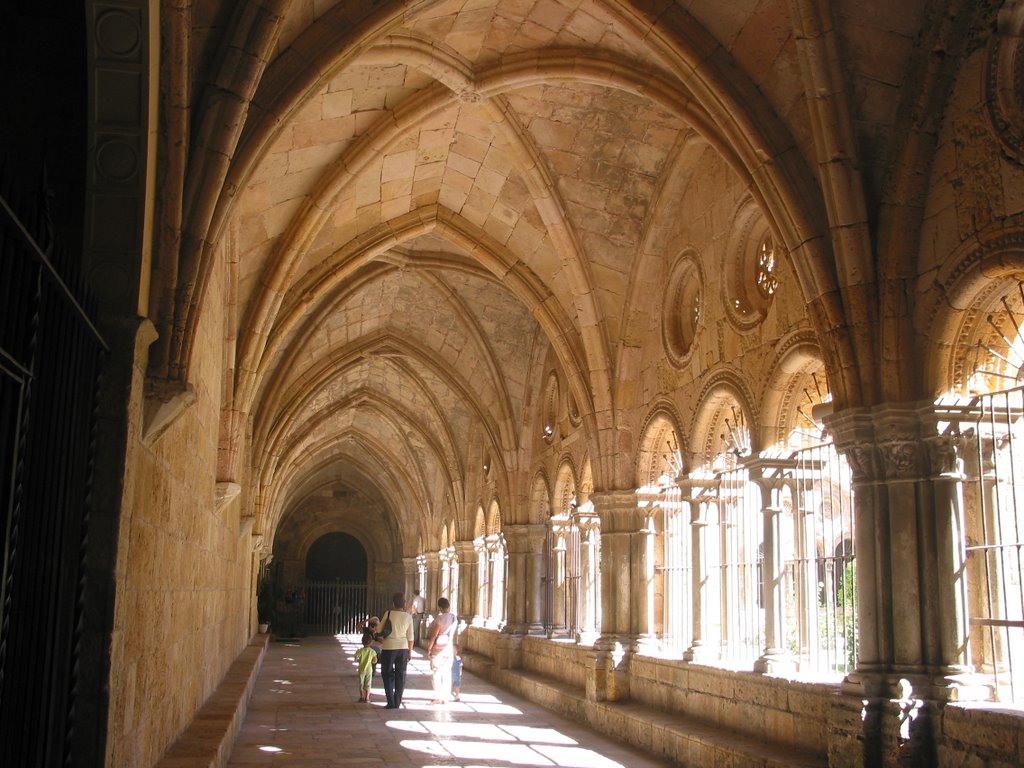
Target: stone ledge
681, 739
208, 740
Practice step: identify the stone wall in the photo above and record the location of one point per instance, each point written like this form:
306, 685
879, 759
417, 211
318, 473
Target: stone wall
559, 660
782, 711
981, 734
183, 610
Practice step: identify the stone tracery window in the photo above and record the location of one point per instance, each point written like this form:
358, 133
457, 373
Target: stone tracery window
716, 543
572, 563
767, 279
752, 277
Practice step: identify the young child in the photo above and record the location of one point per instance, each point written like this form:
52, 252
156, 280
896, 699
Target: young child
366, 658
456, 673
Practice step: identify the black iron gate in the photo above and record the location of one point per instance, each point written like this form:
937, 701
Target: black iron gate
50, 358
327, 607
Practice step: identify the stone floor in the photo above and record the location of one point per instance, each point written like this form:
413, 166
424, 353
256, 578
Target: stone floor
304, 712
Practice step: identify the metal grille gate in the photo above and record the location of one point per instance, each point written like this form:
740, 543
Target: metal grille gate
329, 607
50, 359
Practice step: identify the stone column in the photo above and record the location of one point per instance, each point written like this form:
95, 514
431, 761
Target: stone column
517, 541
590, 587
444, 584
431, 587
481, 583
467, 565
496, 580
953, 459
907, 585
699, 494
642, 584
623, 563
453, 578
536, 537
411, 566
767, 476
558, 527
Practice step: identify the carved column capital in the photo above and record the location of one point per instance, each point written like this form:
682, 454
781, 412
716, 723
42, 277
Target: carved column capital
465, 551
884, 443
517, 538
619, 511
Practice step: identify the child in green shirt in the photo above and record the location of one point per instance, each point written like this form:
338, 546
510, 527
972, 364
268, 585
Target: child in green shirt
366, 658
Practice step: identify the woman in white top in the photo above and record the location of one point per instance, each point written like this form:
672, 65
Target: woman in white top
396, 649
442, 641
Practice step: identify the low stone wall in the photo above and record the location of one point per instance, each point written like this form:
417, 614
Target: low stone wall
691, 714
785, 712
695, 714
981, 734
560, 660
210, 738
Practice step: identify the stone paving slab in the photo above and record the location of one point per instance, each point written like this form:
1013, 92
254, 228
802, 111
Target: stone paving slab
304, 712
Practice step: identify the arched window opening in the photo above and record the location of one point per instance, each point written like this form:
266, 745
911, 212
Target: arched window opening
482, 577
818, 539
661, 472
770, 534
495, 556
572, 573
980, 444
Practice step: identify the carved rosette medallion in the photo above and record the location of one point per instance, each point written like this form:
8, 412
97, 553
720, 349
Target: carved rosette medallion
1004, 80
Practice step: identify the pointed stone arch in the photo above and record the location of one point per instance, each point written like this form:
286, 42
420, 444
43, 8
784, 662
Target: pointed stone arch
796, 386
953, 325
716, 429
661, 447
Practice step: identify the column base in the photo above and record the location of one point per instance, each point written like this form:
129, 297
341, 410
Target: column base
608, 674
700, 653
508, 651
775, 662
961, 684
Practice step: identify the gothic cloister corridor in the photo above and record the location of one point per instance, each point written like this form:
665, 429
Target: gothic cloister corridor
303, 712
679, 344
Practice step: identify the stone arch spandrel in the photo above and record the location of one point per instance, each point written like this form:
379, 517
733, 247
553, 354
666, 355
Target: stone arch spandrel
540, 499
931, 194
585, 487
221, 162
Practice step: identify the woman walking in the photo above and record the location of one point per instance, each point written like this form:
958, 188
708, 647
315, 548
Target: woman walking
396, 648
440, 650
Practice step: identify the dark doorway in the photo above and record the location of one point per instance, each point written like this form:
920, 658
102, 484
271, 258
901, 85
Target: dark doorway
336, 557
336, 593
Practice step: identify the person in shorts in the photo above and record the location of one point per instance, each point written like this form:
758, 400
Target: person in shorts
457, 673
